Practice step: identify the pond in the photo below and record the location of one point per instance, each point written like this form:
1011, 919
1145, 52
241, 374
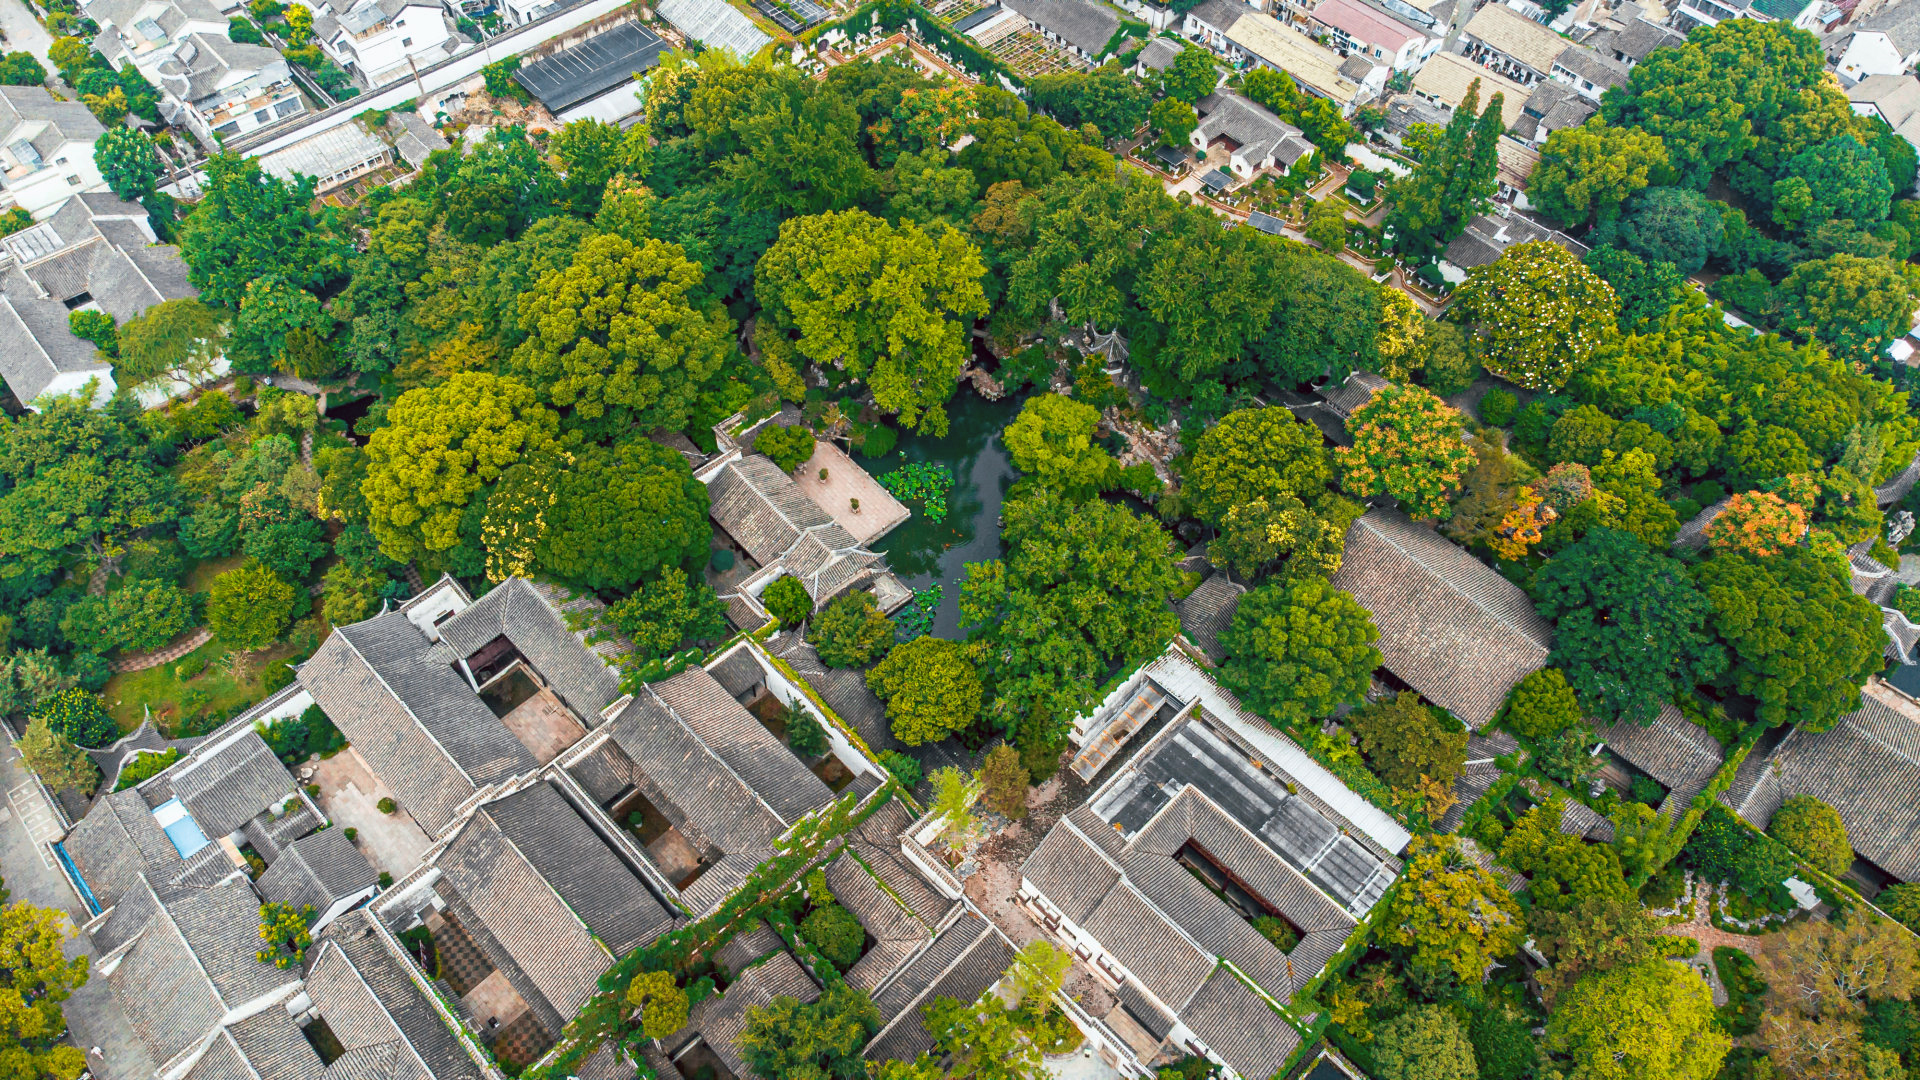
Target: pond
923, 552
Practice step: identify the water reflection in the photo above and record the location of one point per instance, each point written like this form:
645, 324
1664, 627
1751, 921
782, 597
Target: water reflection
922, 552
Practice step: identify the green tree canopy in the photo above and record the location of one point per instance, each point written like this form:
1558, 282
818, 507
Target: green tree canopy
1083, 588
1406, 444
1174, 120
986, 1040
1454, 180
1856, 307
250, 225
1586, 172
1629, 625
1052, 442
250, 606
38, 978
788, 1039
1191, 75
662, 615
1841, 178
1537, 314
174, 339
440, 446
1653, 1020
1646, 290
887, 304
1594, 933
127, 161
76, 481
1542, 704
930, 687
618, 337
1407, 743
1563, 871
662, 1004
851, 632
1107, 98
1449, 911
58, 760
77, 714
623, 514
1424, 1043
1815, 830
138, 616
1253, 454
1800, 640
1299, 649
1668, 224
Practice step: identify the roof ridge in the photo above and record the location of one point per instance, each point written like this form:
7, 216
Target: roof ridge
408, 709
1374, 528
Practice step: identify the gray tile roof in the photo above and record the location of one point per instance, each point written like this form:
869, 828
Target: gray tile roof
270, 835
1478, 776
1159, 54
398, 698
533, 927
529, 615
222, 1061
1601, 71
1260, 133
970, 974
36, 346
1348, 396
1207, 611
763, 509
1239, 1026
608, 896
275, 1048
696, 790
845, 692
1450, 627
745, 948
117, 841
1153, 949
748, 748
1219, 14
386, 975
1867, 767
192, 963
1071, 872
318, 870
1672, 749
1085, 25
719, 1020
224, 790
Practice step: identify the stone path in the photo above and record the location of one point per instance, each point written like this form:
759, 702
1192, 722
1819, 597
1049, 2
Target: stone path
1700, 927
178, 648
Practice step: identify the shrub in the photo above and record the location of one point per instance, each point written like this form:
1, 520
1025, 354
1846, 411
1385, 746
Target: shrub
721, 560
1746, 991
805, 735
1647, 790
322, 737
1722, 848
77, 714
1497, 407
908, 771
788, 447
144, 766
1815, 830
250, 606
1004, 780
851, 631
388, 806
1542, 704
663, 1006
352, 834
386, 880
835, 932
1279, 931
788, 601
1901, 901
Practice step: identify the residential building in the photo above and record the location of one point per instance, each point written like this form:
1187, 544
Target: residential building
1501, 38
1490, 234
1158, 54
1155, 881
1892, 98
1240, 33
1450, 627
597, 79
94, 253
1404, 111
222, 88
146, 32
1083, 27
383, 41
1256, 139
1445, 79
1552, 106
1360, 27
1517, 161
340, 155
1690, 14
1886, 42
46, 149
1628, 36
1588, 72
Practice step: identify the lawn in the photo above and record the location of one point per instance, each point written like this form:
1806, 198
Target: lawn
214, 693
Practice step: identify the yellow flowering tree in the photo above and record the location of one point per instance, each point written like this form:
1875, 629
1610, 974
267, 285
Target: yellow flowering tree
1407, 444
1537, 314
1402, 329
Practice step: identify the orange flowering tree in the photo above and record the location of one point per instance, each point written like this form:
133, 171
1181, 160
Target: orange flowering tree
1406, 443
1522, 526
1758, 523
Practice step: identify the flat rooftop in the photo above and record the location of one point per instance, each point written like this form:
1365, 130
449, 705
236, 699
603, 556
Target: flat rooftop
592, 67
1195, 753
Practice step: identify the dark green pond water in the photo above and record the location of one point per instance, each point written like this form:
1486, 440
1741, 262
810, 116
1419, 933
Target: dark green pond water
923, 552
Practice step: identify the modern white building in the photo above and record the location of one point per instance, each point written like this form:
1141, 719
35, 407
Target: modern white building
223, 88
1884, 43
146, 32
1356, 27
46, 149
382, 41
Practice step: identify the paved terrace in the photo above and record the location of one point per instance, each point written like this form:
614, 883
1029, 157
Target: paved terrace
879, 513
